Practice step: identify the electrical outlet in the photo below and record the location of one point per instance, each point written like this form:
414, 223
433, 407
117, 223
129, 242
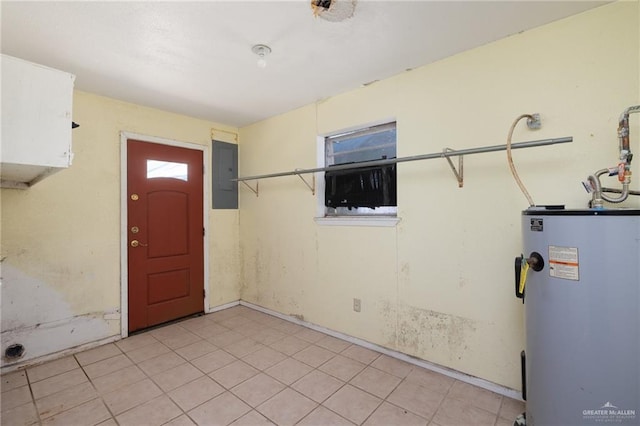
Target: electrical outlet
356, 305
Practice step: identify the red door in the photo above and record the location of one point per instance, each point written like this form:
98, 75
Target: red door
165, 233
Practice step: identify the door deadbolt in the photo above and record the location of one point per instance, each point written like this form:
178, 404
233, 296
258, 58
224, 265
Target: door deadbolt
135, 229
134, 197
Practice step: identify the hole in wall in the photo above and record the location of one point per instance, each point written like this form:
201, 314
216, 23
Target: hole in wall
14, 351
333, 10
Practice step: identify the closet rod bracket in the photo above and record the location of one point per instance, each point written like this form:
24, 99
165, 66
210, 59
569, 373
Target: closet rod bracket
459, 172
311, 186
255, 191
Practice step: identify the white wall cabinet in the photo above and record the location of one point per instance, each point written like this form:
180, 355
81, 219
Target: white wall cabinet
36, 122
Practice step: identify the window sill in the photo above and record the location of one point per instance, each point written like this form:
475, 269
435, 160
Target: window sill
374, 221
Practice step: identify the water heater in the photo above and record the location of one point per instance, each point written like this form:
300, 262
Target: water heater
579, 278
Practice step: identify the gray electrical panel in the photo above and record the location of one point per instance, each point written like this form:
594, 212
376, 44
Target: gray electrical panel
225, 168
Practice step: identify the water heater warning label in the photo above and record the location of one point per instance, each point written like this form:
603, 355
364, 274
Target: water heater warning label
563, 263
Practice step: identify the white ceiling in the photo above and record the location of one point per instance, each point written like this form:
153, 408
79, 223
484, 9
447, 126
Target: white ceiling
195, 58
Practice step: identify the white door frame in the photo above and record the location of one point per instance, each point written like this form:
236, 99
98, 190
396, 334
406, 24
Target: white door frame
124, 235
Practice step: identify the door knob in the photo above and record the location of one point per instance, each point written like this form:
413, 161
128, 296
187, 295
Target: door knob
136, 243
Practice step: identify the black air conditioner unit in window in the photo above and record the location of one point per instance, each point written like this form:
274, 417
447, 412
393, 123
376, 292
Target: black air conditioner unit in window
361, 187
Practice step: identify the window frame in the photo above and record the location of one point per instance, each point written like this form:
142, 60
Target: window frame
379, 216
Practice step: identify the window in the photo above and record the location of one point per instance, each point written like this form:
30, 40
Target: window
361, 191
167, 169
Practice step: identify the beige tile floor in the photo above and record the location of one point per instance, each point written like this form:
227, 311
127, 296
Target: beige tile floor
242, 367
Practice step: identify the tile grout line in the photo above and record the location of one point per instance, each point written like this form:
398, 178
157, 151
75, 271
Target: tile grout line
33, 397
113, 416
389, 394
147, 376
498, 414
444, 397
382, 400
122, 352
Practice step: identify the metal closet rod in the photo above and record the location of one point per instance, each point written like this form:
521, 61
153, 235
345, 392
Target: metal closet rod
444, 154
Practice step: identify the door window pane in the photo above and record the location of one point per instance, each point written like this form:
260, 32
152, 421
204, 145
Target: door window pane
167, 169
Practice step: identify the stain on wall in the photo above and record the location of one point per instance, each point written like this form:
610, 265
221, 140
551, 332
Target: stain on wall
38, 317
388, 312
424, 332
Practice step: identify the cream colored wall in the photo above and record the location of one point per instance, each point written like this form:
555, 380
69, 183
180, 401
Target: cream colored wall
439, 285
61, 238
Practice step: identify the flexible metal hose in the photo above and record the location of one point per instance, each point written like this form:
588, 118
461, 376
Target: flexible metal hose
510, 160
599, 192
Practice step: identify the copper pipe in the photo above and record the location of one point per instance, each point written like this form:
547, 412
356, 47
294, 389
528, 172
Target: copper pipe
623, 127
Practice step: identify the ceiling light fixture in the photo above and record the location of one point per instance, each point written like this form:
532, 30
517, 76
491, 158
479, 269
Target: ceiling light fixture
262, 51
